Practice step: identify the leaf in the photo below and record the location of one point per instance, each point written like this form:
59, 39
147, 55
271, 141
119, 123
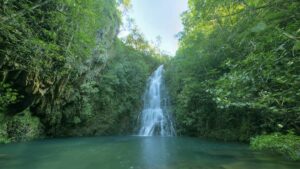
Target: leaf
297, 45
259, 27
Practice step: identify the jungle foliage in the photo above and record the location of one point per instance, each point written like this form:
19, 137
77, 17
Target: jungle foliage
236, 74
288, 144
64, 72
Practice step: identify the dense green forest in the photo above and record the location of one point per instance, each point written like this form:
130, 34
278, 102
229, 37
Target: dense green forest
235, 77
64, 72
236, 74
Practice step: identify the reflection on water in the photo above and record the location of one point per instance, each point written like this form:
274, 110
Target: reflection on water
154, 152
136, 153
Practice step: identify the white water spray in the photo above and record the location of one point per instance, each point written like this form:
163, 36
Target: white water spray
155, 118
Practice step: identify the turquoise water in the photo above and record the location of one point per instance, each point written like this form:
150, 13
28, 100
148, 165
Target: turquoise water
136, 153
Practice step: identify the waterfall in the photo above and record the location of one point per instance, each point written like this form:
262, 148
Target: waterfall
155, 118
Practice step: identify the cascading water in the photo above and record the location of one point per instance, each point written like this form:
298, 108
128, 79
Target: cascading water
155, 118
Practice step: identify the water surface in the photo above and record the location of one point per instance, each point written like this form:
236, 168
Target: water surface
136, 153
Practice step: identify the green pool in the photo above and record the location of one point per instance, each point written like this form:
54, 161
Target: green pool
137, 153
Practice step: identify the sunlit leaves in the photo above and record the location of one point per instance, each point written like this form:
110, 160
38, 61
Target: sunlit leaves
297, 45
243, 58
288, 144
8, 95
259, 27
53, 52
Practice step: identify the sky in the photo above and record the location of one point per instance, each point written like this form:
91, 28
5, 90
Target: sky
159, 18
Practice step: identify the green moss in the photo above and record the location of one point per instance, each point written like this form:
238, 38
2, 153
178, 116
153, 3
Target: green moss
288, 145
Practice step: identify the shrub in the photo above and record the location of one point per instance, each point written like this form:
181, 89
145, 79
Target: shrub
288, 145
23, 127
